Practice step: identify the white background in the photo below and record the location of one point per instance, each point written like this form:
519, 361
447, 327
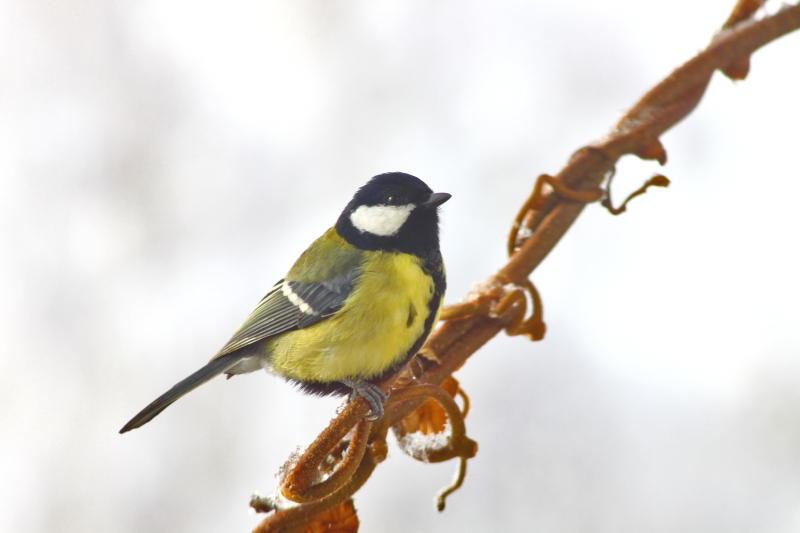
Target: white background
162, 163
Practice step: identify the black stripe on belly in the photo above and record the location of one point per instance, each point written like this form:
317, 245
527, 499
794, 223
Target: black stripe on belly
432, 265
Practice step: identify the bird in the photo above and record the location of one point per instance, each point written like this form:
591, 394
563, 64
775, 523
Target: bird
357, 304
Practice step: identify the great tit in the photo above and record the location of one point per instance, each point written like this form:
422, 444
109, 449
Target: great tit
357, 304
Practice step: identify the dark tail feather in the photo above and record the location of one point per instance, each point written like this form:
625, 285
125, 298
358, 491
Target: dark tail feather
212, 369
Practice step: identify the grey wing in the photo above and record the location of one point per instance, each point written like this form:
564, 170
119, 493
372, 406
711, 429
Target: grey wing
292, 305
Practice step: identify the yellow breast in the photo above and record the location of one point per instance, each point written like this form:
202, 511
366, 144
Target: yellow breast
378, 324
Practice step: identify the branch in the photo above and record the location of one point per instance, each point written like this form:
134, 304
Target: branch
501, 302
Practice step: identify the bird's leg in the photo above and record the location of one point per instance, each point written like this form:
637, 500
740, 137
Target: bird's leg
369, 391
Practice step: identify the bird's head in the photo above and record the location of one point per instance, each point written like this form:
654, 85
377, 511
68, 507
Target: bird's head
393, 212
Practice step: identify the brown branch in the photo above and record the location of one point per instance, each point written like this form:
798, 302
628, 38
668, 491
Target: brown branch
537, 229
294, 518
298, 486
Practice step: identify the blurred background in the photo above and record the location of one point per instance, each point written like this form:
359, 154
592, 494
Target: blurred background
162, 163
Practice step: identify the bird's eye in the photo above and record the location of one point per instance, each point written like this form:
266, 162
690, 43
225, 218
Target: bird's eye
393, 199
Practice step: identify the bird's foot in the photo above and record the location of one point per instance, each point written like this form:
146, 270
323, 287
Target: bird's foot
369, 391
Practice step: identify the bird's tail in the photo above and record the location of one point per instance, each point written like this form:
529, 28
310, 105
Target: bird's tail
212, 369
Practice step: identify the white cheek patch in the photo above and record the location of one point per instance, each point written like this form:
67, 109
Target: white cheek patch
381, 220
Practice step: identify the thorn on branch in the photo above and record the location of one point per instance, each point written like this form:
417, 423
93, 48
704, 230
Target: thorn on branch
656, 181
650, 149
737, 69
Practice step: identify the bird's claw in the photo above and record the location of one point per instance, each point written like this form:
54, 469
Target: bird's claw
374, 396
